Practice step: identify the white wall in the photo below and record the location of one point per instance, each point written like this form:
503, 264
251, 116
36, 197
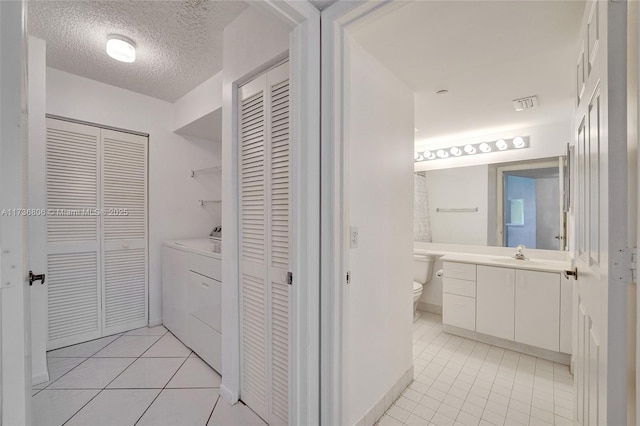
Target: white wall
174, 211
548, 140
380, 202
251, 42
200, 101
460, 187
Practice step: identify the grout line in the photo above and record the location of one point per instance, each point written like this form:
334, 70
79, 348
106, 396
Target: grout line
162, 390
215, 404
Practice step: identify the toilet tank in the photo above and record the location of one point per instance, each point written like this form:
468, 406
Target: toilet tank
422, 267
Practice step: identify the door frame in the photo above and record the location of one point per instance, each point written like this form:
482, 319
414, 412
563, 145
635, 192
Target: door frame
304, 61
15, 371
527, 165
337, 21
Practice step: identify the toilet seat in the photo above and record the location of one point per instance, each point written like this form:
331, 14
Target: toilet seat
417, 287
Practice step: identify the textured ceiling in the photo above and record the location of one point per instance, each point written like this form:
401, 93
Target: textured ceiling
485, 53
179, 43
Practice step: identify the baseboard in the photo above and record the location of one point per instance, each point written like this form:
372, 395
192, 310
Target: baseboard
36, 379
155, 322
228, 395
558, 357
430, 307
378, 409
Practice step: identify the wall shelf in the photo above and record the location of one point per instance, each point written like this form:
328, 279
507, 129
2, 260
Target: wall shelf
215, 169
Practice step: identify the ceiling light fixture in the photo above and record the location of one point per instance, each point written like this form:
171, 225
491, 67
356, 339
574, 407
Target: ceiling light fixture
518, 142
121, 48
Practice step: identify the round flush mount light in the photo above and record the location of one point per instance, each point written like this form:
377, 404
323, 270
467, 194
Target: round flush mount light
121, 48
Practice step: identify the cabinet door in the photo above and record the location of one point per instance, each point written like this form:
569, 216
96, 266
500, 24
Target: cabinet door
538, 309
495, 293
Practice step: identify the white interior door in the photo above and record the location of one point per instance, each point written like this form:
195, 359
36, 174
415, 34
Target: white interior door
96, 232
264, 156
601, 206
73, 233
15, 362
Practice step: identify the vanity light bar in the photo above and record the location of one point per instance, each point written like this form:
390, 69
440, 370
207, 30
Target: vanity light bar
519, 142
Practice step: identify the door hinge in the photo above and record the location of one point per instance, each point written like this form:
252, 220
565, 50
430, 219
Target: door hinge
634, 265
348, 277
622, 265
290, 278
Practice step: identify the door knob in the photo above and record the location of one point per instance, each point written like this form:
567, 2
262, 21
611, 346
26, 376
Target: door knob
571, 273
33, 277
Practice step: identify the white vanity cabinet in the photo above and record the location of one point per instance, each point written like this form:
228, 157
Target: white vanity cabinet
459, 295
519, 308
537, 309
495, 296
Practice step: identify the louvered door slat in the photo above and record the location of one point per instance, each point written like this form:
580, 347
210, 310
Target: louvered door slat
124, 200
72, 233
264, 244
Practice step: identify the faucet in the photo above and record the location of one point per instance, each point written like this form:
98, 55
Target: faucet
520, 252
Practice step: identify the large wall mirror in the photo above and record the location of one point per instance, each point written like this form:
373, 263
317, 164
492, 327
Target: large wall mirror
505, 204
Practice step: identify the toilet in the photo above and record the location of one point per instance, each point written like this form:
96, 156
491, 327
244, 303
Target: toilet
422, 271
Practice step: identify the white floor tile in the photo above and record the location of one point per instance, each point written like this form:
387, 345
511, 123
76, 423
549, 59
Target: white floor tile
121, 407
184, 407
194, 373
82, 350
57, 368
54, 407
158, 330
168, 346
94, 373
127, 346
147, 373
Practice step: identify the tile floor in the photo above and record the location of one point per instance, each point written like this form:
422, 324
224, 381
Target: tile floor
143, 377
462, 382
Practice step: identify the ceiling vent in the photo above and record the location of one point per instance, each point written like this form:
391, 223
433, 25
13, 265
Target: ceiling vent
525, 103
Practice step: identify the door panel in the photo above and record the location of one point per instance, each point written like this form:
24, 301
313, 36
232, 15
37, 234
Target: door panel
601, 206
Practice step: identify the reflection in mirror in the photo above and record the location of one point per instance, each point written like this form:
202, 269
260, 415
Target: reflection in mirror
506, 204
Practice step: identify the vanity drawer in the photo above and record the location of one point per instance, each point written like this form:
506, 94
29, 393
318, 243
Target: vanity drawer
459, 287
459, 311
461, 271
205, 265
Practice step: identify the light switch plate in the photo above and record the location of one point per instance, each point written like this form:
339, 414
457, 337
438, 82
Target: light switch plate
353, 236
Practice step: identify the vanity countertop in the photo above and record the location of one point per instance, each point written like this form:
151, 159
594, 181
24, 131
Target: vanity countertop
203, 246
508, 262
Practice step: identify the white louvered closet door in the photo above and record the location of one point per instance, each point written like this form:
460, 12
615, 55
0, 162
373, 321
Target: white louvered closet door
264, 244
96, 247
73, 235
124, 231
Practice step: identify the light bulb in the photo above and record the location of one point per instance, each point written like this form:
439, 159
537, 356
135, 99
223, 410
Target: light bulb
455, 151
501, 144
442, 153
485, 147
469, 149
518, 142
